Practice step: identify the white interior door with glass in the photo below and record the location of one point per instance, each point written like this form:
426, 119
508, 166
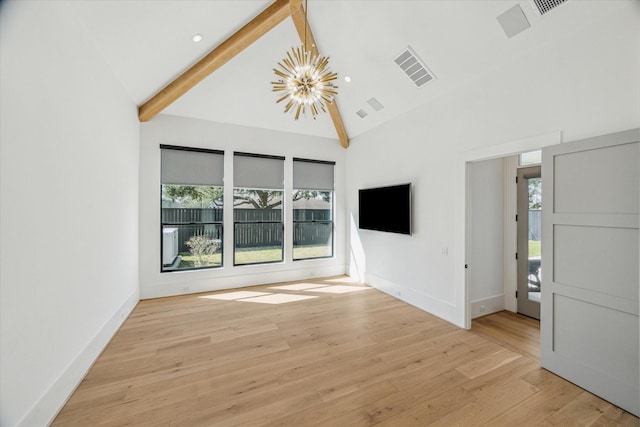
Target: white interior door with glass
529, 258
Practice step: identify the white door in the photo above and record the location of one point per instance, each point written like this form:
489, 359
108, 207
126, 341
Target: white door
589, 311
529, 257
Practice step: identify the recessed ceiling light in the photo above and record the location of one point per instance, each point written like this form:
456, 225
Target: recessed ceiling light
197, 38
347, 79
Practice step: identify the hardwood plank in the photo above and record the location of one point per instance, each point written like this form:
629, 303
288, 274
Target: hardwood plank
539, 406
584, 410
488, 363
382, 410
491, 402
325, 413
513, 331
336, 360
431, 410
617, 417
505, 373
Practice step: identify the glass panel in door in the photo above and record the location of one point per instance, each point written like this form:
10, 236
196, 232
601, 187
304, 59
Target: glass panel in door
529, 241
534, 190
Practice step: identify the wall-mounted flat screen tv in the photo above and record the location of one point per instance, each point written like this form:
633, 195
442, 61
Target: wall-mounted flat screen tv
385, 209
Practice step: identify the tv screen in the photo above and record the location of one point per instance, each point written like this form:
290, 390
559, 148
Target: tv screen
386, 209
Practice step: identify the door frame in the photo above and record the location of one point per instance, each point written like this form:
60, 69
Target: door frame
524, 305
463, 212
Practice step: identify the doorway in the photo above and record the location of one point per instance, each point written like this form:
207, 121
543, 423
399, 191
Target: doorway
463, 283
529, 231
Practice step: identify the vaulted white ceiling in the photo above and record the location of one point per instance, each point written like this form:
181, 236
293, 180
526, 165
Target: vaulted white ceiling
149, 43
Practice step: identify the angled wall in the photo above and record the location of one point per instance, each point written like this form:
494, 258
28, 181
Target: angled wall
69, 208
582, 84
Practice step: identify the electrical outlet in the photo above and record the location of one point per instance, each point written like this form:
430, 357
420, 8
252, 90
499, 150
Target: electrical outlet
483, 309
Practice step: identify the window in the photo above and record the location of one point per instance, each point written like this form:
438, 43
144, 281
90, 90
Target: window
257, 209
312, 209
530, 158
191, 208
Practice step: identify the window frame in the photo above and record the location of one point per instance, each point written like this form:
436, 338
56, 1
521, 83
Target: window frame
331, 222
163, 224
282, 209
528, 163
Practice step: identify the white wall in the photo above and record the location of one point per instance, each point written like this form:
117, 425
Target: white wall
583, 84
172, 130
485, 222
69, 210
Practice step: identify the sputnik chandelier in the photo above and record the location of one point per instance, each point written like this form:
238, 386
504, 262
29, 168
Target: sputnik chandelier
305, 79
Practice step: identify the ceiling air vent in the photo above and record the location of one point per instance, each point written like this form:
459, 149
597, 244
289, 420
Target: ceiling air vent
362, 113
413, 67
513, 21
375, 104
545, 6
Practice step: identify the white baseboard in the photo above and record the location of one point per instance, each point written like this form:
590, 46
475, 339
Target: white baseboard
487, 306
52, 400
416, 298
218, 283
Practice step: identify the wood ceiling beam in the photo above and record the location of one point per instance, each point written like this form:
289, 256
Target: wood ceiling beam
273, 15
304, 30
277, 12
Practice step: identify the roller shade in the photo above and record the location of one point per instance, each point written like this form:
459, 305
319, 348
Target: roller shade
312, 174
184, 166
257, 171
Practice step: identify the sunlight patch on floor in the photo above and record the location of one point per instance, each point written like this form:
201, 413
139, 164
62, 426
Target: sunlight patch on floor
344, 280
235, 295
298, 287
278, 298
339, 289
283, 298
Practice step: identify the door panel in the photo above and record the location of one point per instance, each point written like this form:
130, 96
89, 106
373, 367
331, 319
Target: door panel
600, 180
589, 310
580, 325
590, 266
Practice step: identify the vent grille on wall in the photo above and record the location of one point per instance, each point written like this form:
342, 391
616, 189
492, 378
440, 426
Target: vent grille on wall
414, 67
545, 6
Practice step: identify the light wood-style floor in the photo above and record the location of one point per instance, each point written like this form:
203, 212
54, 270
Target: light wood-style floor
342, 358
